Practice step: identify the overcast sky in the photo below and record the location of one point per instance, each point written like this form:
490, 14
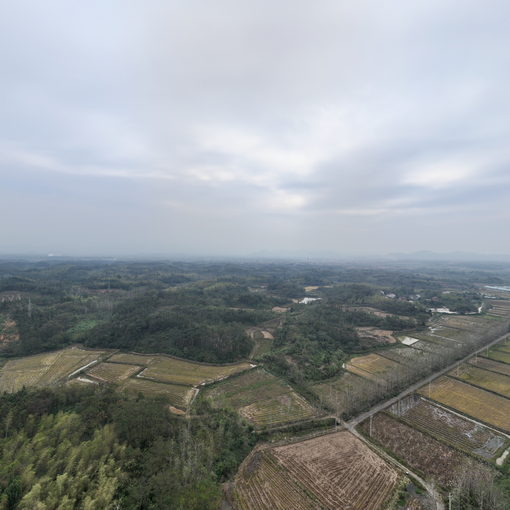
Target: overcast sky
247, 126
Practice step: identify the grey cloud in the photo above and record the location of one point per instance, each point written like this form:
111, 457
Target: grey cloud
228, 127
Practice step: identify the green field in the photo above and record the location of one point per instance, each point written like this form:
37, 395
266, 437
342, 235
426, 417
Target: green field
261, 398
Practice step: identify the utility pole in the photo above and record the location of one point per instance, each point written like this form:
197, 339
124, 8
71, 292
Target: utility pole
449, 501
29, 308
371, 425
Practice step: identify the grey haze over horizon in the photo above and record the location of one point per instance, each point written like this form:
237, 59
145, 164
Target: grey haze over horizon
237, 128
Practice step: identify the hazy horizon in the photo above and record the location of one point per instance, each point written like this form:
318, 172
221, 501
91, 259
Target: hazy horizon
332, 129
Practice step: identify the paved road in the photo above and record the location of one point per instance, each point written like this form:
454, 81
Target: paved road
411, 389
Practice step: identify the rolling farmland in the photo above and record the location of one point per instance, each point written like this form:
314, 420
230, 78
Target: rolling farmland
449, 427
419, 451
261, 398
332, 471
480, 404
45, 369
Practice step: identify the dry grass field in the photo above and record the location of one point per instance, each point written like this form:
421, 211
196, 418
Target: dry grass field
475, 402
499, 355
488, 380
178, 371
113, 373
132, 359
336, 471
489, 364
177, 395
419, 451
371, 366
338, 393
261, 398
448, 427
45, 369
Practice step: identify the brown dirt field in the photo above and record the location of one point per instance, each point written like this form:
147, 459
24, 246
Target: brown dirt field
419, 451
263, 484
475, 402
340, 471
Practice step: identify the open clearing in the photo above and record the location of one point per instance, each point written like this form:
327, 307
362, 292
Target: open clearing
177, 395
261, 398
335, 471
375, 336
475, 402
449, 427
490, 364
179, 371
498, 383
45, 369
418, 450
113, 372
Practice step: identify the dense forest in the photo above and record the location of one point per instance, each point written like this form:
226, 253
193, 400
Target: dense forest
76, 448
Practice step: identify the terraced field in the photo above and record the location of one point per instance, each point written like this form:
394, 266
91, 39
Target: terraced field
133, 359
475, 402
45, 369
419, 451
340, 471
488, 380
261, 398
173, 370
113, 373
488, 364
336, 471
177, 395
449, 427
371, 366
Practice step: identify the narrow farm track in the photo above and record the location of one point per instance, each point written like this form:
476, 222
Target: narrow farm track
428, 486
414, 387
